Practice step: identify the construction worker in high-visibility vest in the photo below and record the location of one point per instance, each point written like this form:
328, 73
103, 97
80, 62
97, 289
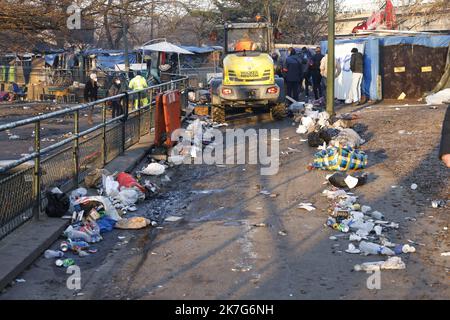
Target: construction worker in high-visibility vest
139, 83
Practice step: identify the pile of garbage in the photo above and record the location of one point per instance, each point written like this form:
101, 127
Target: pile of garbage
92, 216
199, 134
367, 229
337, 142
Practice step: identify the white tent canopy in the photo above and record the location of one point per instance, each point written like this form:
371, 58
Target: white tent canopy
166, 47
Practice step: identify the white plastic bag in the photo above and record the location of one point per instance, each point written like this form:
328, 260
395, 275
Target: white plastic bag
128, 196
154, 169
110, 186
439, 97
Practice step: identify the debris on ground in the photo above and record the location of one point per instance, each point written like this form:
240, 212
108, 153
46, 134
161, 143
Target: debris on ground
133, 223
438, 203
346, 181
340, 159
172, 218
440, 97
153, 169
307, 206
392, 263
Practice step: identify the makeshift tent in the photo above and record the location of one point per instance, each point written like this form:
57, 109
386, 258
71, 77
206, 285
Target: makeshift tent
106, 60
396, 64
167, 47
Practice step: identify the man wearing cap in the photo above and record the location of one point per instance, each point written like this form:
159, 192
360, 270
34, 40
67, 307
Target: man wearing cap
356, 66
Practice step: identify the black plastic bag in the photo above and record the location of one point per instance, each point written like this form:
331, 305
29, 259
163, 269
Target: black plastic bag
314, 139
341, 180
58, 204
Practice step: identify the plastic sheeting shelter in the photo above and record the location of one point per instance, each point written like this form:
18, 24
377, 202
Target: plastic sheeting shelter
380, 57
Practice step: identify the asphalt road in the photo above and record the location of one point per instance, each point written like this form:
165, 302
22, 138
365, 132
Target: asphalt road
216, 252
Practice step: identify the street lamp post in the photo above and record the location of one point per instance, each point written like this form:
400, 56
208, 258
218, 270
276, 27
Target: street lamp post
331, 59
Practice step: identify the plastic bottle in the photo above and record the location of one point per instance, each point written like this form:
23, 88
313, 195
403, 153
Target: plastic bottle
53, 254
78, 245
377, 215
373, 248
406, 248
73, 234
331, 222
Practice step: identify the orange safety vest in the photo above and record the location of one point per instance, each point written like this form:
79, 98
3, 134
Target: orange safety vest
244, 45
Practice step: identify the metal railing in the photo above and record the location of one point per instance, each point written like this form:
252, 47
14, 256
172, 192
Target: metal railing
65, 163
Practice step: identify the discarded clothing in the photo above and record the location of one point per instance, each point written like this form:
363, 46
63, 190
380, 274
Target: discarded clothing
340, 159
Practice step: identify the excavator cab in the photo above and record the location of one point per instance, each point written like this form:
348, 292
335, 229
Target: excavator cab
249, 78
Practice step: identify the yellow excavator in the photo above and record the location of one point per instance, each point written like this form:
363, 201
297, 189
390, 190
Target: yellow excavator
249, 78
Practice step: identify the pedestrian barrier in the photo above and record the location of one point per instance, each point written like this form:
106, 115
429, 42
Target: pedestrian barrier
172, 114
66, 162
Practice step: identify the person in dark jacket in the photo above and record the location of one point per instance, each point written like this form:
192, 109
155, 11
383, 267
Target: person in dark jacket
306, 60
293, 74
90, 94
315, 73
356, 66
444, 151
116, 104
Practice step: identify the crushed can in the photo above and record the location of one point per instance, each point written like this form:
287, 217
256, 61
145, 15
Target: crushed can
64, 246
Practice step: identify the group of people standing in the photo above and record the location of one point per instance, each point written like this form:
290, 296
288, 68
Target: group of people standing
117, 107
304, 69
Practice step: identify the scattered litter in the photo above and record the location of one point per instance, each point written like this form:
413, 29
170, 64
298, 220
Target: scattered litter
121, 237
282, 233
333, 238
414, 186
13, 137
445, 254
133, 223
261, 225
392, 263
154, 169
352, 249
438, 203
53, 254
244, 269
373, 248
342, 180
20, 280
173, 218
306, 206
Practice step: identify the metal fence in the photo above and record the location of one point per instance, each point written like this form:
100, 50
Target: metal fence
65, 164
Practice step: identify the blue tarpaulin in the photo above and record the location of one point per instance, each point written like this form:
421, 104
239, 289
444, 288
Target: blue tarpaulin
426, 41
50, 59
108, 62
372, 55
200, 50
